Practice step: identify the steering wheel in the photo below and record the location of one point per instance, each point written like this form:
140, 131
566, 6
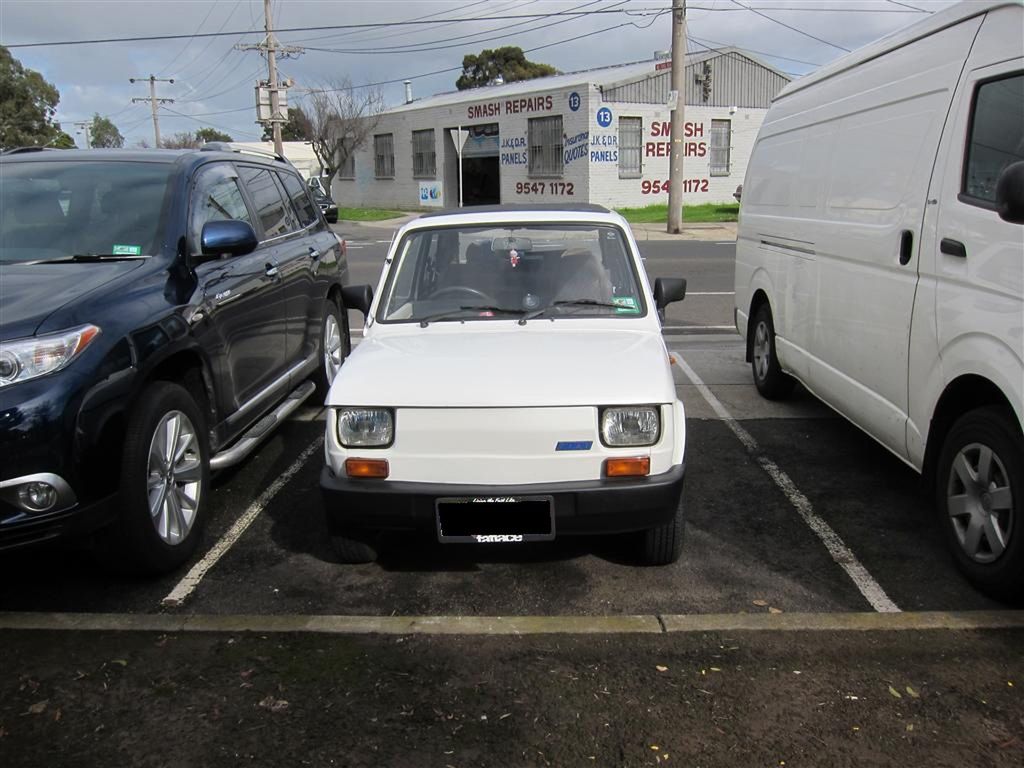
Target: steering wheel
463, 289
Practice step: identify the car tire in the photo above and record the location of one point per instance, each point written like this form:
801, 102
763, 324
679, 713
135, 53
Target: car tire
664, 544
350, 551
769, 379
335, 346
165, 478
979, 494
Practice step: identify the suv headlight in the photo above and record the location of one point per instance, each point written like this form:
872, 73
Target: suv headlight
628, 426
366, 427
26, 359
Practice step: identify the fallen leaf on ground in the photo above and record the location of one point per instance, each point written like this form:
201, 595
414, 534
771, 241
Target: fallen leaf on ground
913, 694
661, 668
774, 610
119, 662
39, 707
715, 669
760, 603
274, 705
895, 693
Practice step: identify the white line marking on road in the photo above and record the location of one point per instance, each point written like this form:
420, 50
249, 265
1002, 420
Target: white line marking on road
710, 293
191, 580
841, 554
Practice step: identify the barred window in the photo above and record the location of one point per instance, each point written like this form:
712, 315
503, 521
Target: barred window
630, 146
384, 156
424, 159
348, 167
721, 139
545, 140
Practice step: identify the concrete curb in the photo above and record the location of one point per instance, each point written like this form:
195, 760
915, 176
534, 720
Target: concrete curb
518, 625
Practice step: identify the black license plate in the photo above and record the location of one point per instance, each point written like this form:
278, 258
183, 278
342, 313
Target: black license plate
495, 519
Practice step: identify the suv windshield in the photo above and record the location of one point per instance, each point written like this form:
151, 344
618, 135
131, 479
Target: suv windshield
53, 210
501, 272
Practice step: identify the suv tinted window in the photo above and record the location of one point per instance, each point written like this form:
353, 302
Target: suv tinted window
303, 206
217, 197
271, 209
997, 128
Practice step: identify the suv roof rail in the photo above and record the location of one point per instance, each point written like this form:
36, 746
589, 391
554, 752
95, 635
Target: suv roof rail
227, 146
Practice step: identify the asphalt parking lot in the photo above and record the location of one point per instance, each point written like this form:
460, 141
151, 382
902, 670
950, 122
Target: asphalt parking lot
791, 511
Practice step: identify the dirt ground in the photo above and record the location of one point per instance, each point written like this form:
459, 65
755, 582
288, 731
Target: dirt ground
748, 699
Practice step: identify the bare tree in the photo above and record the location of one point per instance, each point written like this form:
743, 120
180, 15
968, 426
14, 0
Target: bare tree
341, 117
181, 140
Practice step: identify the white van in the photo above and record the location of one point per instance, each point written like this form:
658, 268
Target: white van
880, 262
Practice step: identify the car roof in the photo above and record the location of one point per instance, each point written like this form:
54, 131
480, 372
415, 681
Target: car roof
487, 210
545, 213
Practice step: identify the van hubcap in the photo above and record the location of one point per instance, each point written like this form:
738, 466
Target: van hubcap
174, 477
333, 356
980, 502
762, 350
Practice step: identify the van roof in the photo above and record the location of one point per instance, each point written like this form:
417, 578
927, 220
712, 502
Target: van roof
936, 22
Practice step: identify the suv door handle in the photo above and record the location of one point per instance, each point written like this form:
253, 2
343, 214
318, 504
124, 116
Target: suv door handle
952, 247
272, 271
314, 254
906, 246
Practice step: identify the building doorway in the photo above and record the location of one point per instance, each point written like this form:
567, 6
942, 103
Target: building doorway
481, 167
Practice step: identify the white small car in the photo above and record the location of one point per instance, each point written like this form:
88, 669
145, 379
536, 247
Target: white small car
512, 386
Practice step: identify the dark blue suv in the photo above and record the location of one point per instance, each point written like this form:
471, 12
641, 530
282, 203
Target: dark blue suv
160, 313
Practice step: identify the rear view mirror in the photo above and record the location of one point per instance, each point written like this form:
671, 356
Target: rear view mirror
1010, 193
506, 244
358, 297
668, 290
232, 237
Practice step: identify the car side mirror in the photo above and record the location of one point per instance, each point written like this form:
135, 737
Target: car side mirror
1010, 193
358, 297
668, 290
235, 238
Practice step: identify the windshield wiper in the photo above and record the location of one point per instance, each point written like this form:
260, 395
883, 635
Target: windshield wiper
567, 303
452, 313
82, 258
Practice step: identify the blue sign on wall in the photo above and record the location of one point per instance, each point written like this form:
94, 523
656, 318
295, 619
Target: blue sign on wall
574, 101
604, 117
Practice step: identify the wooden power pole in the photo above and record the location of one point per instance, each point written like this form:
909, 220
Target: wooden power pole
675, 170
153, 101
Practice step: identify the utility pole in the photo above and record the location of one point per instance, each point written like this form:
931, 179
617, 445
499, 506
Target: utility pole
84, 126
272, 48
675, 169
153, 101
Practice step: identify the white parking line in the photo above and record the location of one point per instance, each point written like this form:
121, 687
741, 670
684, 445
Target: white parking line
191, 580
841, 554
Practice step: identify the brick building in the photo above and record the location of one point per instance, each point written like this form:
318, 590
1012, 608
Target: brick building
598, 136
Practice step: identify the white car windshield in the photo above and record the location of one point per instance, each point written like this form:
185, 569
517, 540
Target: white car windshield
508, 271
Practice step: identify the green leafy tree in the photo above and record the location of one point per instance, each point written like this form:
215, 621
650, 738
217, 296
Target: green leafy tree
296, 129
180, 140
104, 134
62, 140
27, 106
212, 134
510, 62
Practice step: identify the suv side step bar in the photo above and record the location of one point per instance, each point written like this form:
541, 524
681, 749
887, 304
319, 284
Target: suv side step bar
254, 436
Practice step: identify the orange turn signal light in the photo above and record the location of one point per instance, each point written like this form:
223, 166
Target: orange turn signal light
638, 466
370, 468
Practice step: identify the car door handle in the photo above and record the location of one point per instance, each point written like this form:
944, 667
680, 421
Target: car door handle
314, 254
906, 246
952, 247
272, 271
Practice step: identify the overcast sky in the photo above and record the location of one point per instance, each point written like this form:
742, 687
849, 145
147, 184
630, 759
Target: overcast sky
213, 82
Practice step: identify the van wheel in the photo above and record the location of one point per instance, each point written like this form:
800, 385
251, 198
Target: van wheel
335, 346
979, 497
352, 551
663, 545
165, 476
769, 379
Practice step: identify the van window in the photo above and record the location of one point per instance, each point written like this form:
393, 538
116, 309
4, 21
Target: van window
271, 209
996, 135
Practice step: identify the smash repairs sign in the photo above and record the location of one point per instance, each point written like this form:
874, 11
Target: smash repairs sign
509, 107
696, 147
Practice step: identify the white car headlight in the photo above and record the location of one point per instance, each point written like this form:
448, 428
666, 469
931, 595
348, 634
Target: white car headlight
366, 427
26, 359
629, 426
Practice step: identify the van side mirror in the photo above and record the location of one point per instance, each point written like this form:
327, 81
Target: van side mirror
1010, 193
668, 290
358, 297
232, 237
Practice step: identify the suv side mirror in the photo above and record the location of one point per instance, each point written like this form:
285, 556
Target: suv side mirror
1010, 193
667, 290
358, 297
232, 237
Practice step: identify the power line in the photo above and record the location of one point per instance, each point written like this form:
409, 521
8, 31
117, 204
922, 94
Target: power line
197, 59
787, 26
209, 125
919, 10
703, 40
185, 47
324, 28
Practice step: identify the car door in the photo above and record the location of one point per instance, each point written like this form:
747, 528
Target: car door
971, 315
242, 298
